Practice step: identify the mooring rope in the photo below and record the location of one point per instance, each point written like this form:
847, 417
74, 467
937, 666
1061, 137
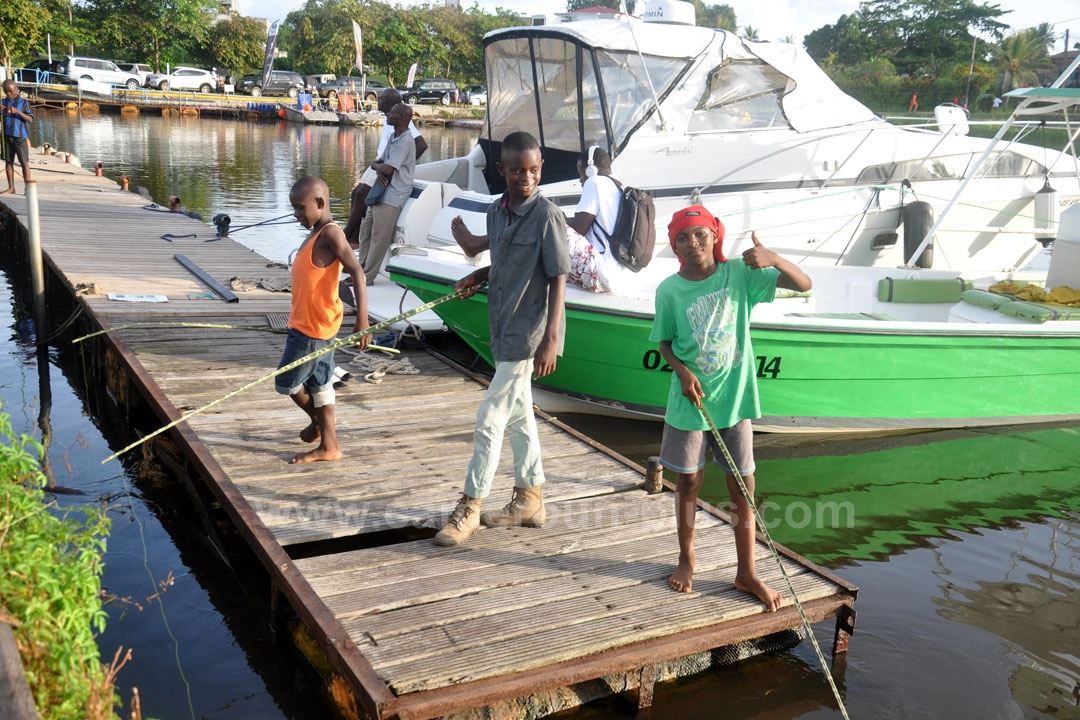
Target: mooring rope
776, 556
341, 342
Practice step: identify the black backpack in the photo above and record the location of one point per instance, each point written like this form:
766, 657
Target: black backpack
634, 236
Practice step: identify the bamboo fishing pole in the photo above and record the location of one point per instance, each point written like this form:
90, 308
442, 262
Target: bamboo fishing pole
776, 556
341, 342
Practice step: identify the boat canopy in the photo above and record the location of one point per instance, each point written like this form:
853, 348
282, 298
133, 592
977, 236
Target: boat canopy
593, 82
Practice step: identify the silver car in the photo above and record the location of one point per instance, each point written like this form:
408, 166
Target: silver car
183, 78
105, 71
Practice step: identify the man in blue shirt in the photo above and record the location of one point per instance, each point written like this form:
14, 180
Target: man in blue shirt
17, 115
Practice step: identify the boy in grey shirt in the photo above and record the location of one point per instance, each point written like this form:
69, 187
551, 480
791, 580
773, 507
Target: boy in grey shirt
526, 293
396, 171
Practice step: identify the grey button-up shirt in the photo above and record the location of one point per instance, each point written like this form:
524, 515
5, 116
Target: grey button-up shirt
525, 254
400, 154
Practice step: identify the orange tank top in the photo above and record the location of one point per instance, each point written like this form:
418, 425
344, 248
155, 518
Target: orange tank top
316, 308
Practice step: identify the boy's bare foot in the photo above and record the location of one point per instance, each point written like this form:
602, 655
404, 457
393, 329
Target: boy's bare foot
311, 433
9, 191
682, 580
756, 587
319, 454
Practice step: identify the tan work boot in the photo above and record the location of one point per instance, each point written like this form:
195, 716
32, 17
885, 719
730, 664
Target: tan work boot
526, 507
463, 521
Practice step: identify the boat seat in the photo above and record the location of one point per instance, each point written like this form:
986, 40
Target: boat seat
919, 290
1023, 309
985, 298
1039, 312
845, 316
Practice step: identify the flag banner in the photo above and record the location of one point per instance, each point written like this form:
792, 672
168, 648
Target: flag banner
412, 76
359, 44
268, 61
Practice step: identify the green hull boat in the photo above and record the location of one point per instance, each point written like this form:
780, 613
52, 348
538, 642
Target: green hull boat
921, 360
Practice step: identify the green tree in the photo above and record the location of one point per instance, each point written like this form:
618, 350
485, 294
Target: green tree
751, 33
922, 33
721, 17
844, 41
22, 27
1018, 58
237, 44
157, 30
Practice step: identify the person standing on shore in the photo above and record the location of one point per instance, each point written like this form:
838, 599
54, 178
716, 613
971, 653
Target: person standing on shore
17, 116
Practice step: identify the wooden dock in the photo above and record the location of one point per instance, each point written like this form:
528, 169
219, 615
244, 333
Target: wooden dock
412, 630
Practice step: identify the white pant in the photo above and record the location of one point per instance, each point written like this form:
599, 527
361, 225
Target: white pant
507, 406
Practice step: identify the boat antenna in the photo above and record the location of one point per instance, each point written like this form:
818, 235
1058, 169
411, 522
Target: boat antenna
656, 99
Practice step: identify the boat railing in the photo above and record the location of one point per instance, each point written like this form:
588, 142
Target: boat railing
1025, 129
1026, 106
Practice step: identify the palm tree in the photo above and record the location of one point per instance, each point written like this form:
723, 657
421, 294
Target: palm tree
1018, 56
751, 33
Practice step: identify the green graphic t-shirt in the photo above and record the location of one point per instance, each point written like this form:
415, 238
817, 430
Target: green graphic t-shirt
708, 325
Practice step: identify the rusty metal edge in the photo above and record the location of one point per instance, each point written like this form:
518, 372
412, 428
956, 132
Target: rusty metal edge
543, 415
711, 509
371, 691
428, 704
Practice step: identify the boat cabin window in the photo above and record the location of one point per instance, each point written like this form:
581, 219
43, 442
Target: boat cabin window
569, 96
741, 95
1000, 164
626, 87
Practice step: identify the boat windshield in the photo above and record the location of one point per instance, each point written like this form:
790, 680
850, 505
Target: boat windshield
741, 95
943, 167
570, 96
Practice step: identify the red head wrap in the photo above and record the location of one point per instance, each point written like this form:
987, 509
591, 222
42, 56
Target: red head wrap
695, 216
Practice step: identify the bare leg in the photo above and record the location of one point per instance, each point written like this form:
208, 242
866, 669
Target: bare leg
320, 428
686, 494
311, 433
746, 578
10, 172
328, 449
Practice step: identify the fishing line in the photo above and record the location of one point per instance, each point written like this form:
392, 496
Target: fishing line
160, 591
341, 342
776, 556
281, 218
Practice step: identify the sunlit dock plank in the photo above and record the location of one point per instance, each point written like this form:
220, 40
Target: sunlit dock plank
415, 630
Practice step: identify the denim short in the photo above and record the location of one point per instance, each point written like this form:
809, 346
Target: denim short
316, 375
683, 451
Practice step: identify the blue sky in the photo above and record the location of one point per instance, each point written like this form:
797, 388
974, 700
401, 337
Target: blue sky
774, 19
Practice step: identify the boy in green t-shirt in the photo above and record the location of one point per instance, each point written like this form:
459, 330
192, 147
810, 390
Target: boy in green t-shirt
703, 326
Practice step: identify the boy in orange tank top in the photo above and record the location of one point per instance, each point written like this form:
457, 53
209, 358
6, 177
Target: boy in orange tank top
316, 314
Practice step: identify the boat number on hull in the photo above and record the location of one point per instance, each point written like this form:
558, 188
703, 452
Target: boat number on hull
767, 367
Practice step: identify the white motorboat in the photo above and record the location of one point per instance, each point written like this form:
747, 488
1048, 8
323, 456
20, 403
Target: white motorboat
754, 131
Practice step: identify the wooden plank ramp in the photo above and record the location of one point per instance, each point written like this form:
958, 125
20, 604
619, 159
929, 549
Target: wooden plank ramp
414, 629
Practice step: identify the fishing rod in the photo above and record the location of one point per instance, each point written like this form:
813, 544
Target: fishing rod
776, 556
222, 221
341, 342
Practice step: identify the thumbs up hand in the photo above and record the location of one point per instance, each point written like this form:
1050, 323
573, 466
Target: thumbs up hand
759, 256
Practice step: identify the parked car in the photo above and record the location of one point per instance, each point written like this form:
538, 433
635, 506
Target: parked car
312, 82
106, 71
282, 82
353, 85
474, 94
42, 71
431, 90
141, 69
183, 78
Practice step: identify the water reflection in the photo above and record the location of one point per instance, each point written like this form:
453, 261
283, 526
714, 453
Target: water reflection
242, 169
